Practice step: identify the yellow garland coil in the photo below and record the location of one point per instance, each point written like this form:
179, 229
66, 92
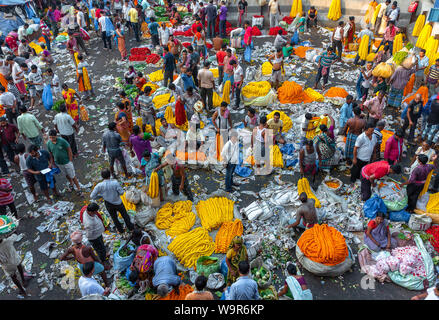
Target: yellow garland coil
334, 12
375, 14
423, 36
226, 233
256, 89
215, 72
303, 186
431, 47
177, 218
169, 115
266, 68
296, 8
314, 95
128, 205
315, 122
397, 43
363, 49
190, 246
156, 76
287, 123
370, 11
214, 211
153, 190
276, 159
161, 100
226, 95
370, 56
420, 21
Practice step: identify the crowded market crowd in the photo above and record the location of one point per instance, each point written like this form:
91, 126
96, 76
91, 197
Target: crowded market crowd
136, 136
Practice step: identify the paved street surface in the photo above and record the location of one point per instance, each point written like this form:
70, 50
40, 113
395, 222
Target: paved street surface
105, 67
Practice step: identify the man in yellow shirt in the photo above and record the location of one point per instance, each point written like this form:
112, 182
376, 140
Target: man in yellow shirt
133, 15
276, 125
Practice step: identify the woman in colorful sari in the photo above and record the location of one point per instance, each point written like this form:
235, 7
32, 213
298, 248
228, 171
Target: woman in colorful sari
139, 142
70, 101
141, 268
325, 147
84, 83
150, 161
237, 252
302, 22
128, 109
295, 286
377, 235
351, 32
122, 122
120, 40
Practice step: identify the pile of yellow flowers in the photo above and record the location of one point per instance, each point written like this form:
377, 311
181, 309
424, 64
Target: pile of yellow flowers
423, 36
276, 159
169, 213
303, 186
156, 76
190, 246
334, 12
363, 49
375, 14
161, 100
316, 122
288, 124
215, 211
431, 47
226, 95
226, 233
266, 68
256, 89
420, 21
215, 72
397, 43
153, 190
314, 95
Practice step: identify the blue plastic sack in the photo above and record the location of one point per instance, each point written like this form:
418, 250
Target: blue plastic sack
291, 163
49, 176
358, 86
224, 269
295, 38
243, 171
47, 97
373, 205
399, 216
248, 54
305, 44
122, 263
404, 112
288, 149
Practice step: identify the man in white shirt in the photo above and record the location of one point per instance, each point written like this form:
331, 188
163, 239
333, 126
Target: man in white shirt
394, 13
363, 151
88, 285
164, 34
94, 228
66, 126
380, 16
238, 76
125, 9
230, 155
338, 39
273, 5
80, 19
9, 104
22, 32
103, 27
36, 85
55, 85
195, 7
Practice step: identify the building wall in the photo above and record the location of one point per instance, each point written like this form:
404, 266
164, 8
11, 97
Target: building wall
355, 8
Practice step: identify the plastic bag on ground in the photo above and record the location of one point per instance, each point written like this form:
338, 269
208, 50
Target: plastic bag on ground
373, 205
133, 195
145, 216
47, 97
419, 222
207, 265
399, 216
215, 281
122, 263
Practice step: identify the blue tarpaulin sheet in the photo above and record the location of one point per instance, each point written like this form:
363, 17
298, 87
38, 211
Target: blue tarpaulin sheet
9, 24
12, 2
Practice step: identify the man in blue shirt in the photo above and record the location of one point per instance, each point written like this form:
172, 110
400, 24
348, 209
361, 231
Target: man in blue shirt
346, 112
168, 67
188, 80
421, 63
325, 61
154, 31
244, 288
165, 276
39, 160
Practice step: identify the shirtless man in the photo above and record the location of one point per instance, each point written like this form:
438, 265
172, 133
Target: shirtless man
82, 254
355, 126
307, 212
174, 46
277, 60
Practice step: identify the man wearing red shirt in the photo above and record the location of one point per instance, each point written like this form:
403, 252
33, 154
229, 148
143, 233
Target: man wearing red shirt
372, 172
9, 138
196, 24
220, 55
6, 198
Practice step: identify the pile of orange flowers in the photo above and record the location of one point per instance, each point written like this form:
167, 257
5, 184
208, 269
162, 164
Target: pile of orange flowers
336, 92
291, 92
226, 233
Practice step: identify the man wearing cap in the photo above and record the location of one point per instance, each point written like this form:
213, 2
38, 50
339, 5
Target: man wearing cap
165, 276
9, 104
83, 254
206, 82
9, 138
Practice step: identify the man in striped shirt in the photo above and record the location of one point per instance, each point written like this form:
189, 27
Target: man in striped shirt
325, 62
6, 198
45, 31
433, 79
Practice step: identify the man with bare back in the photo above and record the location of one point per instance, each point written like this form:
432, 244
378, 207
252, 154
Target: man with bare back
352, 129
